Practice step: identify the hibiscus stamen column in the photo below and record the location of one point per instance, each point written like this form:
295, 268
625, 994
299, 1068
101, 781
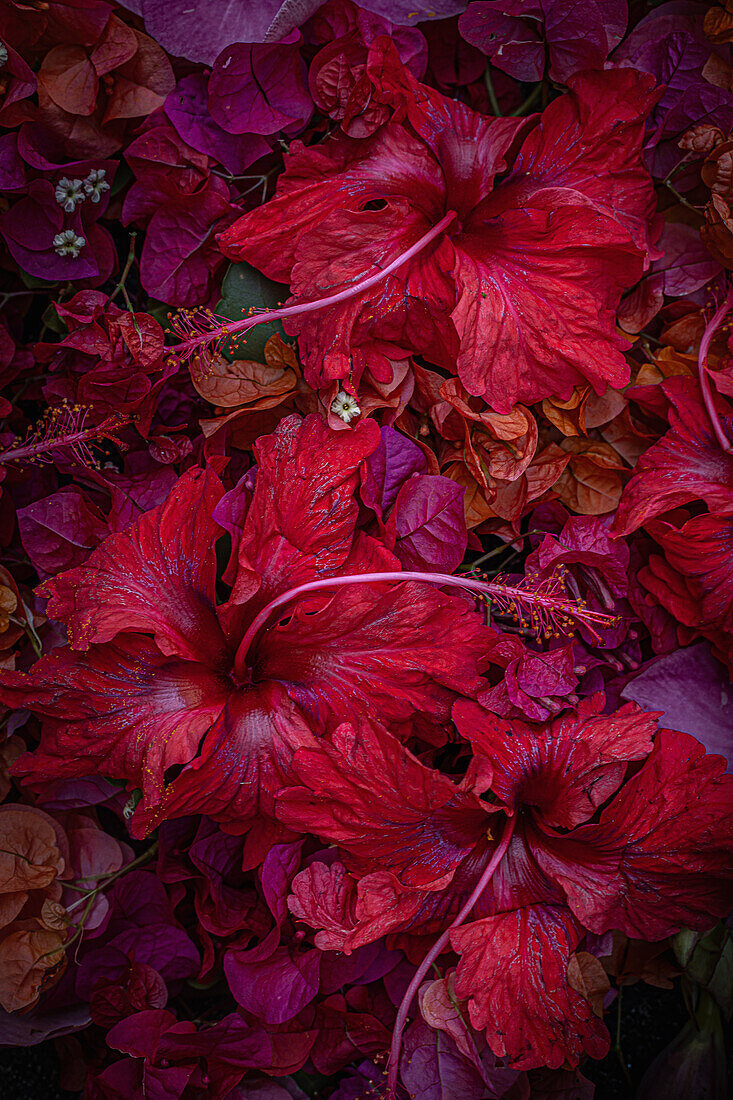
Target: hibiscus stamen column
546, 609
702, 366
203, 333
393, 1064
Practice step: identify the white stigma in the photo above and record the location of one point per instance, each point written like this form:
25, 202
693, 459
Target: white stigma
69, 193
95, 184
3, 54
345, 406
68, 244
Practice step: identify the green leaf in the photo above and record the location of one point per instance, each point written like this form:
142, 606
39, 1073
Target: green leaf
244, 287
52, 320
709, 962
34, 283
158, 311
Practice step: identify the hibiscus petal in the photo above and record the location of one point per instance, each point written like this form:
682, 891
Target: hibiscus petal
471, 147
324, 897
513, 969
672, 826
387, 650
687, 464
702, 549
301, 522
590, 140
539, 285
244, 761
122, 710
564, 770
156, 576
416, 822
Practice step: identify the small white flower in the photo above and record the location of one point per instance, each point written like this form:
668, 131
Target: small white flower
345, 406
69, 193
3, 54
68, 244
95, 184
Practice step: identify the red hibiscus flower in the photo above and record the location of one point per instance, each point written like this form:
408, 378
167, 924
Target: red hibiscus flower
158, 685
447, 233
583, 847
686, 465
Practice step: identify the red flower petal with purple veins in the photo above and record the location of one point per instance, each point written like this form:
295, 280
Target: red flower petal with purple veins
687, 464
158, 576
243, 762
301, 522
121, 709
423, 826
384, 650
513, 969
564, 770
325, 898
702, 549
552, 240
672, 827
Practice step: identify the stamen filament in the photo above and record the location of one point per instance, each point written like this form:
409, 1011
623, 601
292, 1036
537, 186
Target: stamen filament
63, 429
547, 608
702, 366
195, 337
394, 1050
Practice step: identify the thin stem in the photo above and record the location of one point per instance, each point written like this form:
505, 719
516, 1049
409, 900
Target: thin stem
112, 876
680, 198
125, 272
491, 92
529, 102
548, 603
677, 168
432, 955
30, 632
702, 366
505, 546
233, 328
617, 1044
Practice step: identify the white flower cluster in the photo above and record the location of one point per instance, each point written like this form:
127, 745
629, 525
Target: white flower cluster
68, 244
69, 193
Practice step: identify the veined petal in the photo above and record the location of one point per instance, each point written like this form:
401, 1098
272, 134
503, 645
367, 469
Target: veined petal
513, 969
123, 710
415, 822
566, 769
671, 827
538, 285
386, 650
590, 139
301, 522
158, 576
687, 464
244, 761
